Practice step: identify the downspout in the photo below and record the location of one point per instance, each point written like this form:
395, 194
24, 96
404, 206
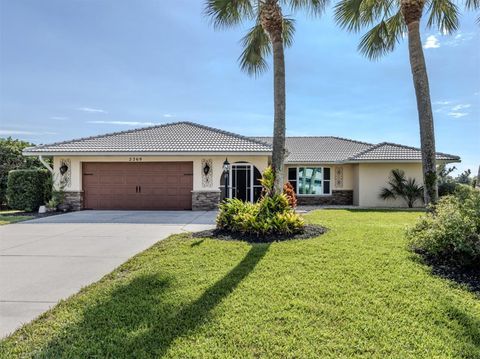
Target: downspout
45, 164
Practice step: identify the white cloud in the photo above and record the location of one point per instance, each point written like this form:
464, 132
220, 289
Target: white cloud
167, 115
457, 114
59, 118
460, 38
127, 123
442, 103
90, 109
461, 107
19, 132
451, 109
431, 43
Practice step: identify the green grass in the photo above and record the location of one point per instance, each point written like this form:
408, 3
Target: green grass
353, 292
6, 217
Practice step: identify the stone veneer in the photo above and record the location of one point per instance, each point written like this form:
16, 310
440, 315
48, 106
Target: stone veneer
205, 200
338, 197
74, 200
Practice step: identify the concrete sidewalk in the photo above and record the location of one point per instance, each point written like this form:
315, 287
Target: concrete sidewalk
48, 259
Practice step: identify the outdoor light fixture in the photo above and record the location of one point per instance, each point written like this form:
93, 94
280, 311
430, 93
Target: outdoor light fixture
206, 169
63, 169
226, 166
226, 170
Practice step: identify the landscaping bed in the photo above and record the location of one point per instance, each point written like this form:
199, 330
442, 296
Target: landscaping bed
309, 231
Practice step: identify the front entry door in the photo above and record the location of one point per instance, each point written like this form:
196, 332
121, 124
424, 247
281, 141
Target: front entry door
241, 182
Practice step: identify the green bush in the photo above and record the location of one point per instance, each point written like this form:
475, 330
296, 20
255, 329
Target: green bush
28, 189
447, 188
451, 232
272, 214
11, 158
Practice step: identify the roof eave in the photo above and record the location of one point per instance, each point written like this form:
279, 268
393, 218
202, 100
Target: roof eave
146, 153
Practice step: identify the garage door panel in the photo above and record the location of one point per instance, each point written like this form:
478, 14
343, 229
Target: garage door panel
164, 185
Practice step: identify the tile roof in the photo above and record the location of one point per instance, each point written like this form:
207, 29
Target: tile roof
190, 137
171, 137
319, 149
394, 151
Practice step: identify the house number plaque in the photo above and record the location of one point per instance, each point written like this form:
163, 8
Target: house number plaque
135, 159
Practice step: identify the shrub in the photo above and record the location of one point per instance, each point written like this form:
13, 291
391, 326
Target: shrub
272, 214
289, 191
11, 158
28, 189
447, 188
451, 232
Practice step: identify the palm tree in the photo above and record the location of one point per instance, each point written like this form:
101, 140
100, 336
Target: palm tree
391, 19
402, 187
271, 32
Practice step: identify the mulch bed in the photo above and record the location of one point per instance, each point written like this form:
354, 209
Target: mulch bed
470, 277
310, 231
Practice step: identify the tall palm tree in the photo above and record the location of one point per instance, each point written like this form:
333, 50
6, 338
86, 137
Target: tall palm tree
389, 21
271, 32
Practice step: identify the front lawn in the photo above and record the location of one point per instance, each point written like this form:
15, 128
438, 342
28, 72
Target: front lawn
352, 292
12, 216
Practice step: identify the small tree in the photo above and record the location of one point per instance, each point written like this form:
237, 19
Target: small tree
402, 187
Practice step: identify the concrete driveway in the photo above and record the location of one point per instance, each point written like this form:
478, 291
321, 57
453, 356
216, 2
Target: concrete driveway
48, 259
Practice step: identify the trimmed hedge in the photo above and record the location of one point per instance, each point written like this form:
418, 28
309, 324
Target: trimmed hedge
28, 189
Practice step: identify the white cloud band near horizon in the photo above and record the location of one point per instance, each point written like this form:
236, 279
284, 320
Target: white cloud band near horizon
127, 123
91, 110
20, 132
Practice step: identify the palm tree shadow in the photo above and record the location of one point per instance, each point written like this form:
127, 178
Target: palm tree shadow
138, 320
198, 312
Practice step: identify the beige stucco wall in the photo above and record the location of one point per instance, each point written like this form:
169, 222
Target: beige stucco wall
348, 182
261, 162
373, 176
356, 187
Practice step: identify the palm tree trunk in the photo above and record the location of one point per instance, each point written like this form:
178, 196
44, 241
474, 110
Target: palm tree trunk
425, 115
278, 154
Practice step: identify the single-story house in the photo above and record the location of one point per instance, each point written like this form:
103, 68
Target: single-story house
180, 165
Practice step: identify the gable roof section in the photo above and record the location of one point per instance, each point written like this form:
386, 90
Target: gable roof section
171, 137
387, 151
319, 149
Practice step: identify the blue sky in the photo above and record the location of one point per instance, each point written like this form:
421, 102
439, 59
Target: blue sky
73, 68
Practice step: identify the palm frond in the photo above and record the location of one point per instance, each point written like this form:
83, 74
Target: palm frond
383, 37
257, 46
443, 15
387, 193
314, 7
472, 4
357, 14
288, 31
225, 13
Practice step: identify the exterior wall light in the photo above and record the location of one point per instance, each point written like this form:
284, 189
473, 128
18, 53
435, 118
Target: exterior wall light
206, 169
63, 169
226, 171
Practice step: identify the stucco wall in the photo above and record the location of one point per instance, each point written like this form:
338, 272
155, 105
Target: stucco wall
373, 176
261, 162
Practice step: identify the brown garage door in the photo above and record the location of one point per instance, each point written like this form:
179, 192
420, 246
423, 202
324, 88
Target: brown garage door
146, 185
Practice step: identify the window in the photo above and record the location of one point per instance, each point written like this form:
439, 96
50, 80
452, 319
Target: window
292, 177
312, 180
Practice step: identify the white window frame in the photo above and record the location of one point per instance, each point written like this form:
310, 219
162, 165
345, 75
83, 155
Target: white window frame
314, 195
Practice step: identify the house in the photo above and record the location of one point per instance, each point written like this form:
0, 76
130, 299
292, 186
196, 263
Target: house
180, 166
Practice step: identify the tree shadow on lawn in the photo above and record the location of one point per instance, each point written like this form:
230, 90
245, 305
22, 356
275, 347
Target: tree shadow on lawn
136, 321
